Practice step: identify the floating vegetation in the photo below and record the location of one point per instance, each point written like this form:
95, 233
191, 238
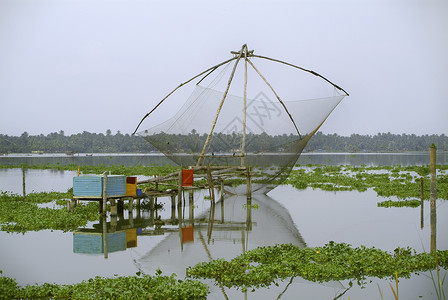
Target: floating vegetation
21, 214
123, 287
386, 181
265, 266
402, 203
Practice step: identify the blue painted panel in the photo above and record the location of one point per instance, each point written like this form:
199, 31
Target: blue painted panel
116, 185
92, 186
89, 186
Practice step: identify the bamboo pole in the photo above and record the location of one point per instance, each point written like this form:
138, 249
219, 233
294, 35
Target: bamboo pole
303, 69
207, 141
179, 193
277, 96
243, 143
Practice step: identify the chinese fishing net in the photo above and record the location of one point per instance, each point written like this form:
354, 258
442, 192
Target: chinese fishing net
262, 133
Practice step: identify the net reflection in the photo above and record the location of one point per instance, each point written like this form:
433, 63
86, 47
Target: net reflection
229, 227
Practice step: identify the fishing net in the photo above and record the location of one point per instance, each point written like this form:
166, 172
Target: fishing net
264, 134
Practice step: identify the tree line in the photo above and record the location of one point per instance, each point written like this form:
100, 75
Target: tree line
86, 142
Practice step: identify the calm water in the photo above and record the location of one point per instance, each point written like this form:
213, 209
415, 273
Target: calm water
404, 159
307, 218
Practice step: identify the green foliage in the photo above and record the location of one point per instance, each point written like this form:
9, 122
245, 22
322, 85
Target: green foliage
393, 181
128, 287
87, 142
21, 214
265, 266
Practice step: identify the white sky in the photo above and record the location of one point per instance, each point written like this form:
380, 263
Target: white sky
93, 65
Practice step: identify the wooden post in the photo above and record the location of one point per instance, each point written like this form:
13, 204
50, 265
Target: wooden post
249, 184
173, 207
151, 203
113, 207
207, 141
433, 197
249, 214
432, 157
131, 204
179, 192
422, 202
191, 206
104, 192
23, 181
103, 220
210, 184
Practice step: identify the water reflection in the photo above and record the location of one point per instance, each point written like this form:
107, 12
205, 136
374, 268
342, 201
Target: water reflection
226, 229
230, 227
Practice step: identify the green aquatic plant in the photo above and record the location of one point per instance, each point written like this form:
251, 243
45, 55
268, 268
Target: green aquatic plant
118, 287
21, 214
265, 266
402, 203
394, 181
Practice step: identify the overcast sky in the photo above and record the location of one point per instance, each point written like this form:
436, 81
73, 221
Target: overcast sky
93, 65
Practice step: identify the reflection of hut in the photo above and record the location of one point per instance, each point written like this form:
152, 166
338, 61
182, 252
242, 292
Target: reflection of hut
93, 242
229, 228
97, 240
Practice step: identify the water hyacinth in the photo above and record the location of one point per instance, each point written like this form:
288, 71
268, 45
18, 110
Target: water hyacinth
265, 266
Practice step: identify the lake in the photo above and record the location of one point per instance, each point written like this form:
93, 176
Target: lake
307, 218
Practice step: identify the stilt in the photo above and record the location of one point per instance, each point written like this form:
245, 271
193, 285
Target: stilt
23, 181
191, 206
113, 207
210, 184
179, 192
131, 204
120, 206
113, 223
151, 203
433, 197
249, 213
104, 192
422, 203
249, 184
131, 219
173, 208
71, 204
105, 250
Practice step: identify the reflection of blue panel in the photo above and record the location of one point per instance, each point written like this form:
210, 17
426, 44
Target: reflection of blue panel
92, 186
92, 242
87, 242
116, 241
